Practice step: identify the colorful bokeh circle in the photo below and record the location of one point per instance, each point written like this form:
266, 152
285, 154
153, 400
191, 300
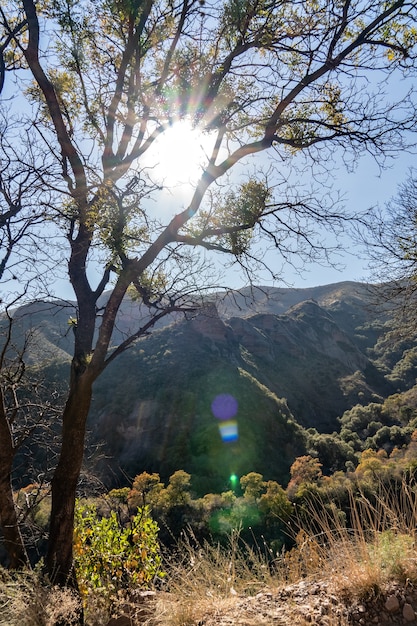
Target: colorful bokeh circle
224, 406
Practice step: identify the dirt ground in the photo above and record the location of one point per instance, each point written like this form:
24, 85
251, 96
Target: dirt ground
301, 604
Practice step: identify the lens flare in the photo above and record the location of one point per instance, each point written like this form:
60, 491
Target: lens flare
224, 406
229, 430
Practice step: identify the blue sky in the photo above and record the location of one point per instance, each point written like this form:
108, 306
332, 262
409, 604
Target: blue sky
366, 186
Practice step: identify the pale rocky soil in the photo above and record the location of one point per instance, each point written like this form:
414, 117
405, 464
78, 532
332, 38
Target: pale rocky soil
302, 604
316, 603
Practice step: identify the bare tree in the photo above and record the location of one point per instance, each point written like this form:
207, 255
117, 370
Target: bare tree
28, 413
24, 269
6, 39
8, 515
252, 76
390, 238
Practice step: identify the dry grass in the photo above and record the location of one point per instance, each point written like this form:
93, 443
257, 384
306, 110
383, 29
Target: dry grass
378, 546
208, 579
361, 560
205, 582
25, 600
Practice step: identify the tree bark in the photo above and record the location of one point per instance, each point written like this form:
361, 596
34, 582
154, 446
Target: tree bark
59, 559
13, 540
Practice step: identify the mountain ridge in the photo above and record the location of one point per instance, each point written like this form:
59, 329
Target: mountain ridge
293, 359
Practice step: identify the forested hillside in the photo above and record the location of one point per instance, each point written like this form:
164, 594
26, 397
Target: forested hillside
298, 364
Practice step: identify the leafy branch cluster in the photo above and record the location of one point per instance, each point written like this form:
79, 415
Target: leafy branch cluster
111, 555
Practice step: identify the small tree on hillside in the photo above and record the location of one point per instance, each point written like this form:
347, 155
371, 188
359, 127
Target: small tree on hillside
252, 486
305, 470
100, 82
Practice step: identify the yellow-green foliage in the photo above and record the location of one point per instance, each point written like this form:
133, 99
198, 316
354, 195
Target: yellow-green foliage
110, 556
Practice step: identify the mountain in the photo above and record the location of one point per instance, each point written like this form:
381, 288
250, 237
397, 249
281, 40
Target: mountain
287, 360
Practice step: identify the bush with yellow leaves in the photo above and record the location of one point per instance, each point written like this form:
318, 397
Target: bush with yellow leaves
110, 556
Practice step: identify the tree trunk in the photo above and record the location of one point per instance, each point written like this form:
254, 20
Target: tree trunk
59, 559
13, 541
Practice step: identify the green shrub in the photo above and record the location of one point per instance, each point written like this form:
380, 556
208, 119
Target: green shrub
109, 556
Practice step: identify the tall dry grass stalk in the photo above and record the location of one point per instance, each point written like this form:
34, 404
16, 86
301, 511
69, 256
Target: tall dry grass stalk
362, 556
25, 600
203, 579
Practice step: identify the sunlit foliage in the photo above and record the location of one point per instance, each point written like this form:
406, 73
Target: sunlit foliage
110, 556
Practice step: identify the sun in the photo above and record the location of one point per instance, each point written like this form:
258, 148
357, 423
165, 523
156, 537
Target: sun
178, 156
